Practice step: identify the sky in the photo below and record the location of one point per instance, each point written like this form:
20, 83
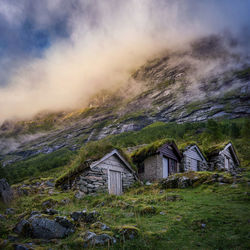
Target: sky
54, 54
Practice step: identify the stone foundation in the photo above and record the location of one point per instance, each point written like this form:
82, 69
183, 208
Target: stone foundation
96, 180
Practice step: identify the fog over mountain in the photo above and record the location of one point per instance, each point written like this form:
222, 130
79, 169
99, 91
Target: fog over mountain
54, 55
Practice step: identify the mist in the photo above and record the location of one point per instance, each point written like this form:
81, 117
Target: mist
102, 44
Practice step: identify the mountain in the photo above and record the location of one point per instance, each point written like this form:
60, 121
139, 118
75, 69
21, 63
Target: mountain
209, 79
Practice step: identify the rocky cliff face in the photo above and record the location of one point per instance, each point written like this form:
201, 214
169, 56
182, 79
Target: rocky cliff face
210, 79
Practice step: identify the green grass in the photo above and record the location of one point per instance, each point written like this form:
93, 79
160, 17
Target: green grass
224, 211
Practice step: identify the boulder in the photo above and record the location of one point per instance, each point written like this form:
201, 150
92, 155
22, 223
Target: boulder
41, 227
6, 194
91, 239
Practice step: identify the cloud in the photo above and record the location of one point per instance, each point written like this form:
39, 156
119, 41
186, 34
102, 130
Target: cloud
65, 51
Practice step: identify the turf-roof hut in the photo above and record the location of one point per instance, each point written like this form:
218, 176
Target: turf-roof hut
223, 157
109, 172
193, 159
157, 160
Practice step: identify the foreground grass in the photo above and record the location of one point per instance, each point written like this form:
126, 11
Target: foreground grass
206, 217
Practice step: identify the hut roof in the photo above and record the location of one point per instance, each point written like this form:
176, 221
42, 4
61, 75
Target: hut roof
141, 154
93, 152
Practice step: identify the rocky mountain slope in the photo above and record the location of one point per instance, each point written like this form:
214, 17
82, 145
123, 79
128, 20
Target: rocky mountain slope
208, 80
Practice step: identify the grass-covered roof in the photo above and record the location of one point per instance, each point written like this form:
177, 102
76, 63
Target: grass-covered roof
93, 151
142, 153
216, 148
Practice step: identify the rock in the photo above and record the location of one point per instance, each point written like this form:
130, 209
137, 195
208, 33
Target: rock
34, 212
148, 183
77, 215
91, 239
234, 185
173, 197
12, 238
50, 184
20, 247
9, 211
63, 221
128, 232
184, 182
162, 213
50, 211
6, 194
90, 217
100, 225
65, 201
48, 203
203, 225
2, 217
79, 195
41, 227
146, 209
22, 227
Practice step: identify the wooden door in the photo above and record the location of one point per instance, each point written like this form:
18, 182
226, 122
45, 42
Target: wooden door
115, 182
165, 167
194, 164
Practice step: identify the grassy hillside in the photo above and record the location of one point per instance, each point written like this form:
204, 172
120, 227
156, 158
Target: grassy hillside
206, 134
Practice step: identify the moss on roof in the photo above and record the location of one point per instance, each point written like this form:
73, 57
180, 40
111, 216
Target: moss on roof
183, 146
93, 151
216, 148
142, 153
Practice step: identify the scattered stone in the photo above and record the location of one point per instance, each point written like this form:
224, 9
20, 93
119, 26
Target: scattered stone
6, 194
79, 195
50, 211
65, 201
2, 217
12, 238
77, 215
128, 232
9, 211
234, 185
50, 183
147, 210
203, 225
48, 203
174, 197
20, 247
34, 212
100, 225
162, 213
91, 239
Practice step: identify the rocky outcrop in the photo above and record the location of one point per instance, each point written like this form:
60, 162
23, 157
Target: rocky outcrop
6, 194
194, 179
38, 226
